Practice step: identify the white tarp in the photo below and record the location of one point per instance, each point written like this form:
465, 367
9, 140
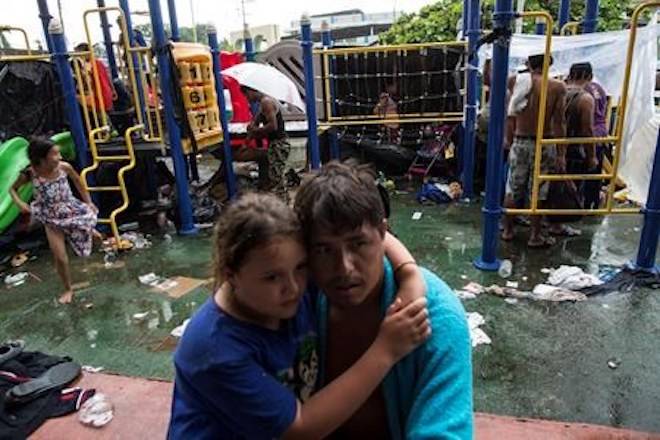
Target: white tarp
606, 51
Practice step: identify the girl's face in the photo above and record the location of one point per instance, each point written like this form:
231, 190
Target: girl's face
52, 159
271, 280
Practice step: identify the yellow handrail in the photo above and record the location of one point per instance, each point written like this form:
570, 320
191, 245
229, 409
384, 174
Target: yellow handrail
571, 26
121, 187
617, 138
4, 28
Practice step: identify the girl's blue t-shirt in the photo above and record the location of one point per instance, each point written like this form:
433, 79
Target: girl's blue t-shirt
236, 380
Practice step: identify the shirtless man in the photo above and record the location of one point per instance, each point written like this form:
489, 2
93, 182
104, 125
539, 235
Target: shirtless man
522, 127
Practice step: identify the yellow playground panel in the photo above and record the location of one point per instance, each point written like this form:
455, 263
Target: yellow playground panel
200, 101
611, 176
20, 30
359, 54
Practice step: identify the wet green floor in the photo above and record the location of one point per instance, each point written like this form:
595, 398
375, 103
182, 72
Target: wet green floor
546, 360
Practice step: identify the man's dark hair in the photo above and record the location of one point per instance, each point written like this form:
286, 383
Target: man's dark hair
536, 61
580, 71
340, 198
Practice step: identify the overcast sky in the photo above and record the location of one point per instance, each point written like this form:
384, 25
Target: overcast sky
225, 14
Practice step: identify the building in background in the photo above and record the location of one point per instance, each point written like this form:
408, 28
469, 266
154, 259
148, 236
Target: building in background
263, 36
350, 27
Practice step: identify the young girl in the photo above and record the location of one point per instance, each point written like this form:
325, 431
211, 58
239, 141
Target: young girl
247, 365
56, 208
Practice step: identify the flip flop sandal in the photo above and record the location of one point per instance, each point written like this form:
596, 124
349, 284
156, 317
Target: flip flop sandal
19, 259
10, 350
55, 377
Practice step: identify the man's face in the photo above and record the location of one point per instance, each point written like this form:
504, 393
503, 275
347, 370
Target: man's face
347, 266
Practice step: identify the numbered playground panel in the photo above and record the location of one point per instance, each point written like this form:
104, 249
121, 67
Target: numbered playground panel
197, 83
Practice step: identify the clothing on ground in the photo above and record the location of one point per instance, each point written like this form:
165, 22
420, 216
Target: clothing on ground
236, 380
428, 394
18, 421
521, 168
55, 205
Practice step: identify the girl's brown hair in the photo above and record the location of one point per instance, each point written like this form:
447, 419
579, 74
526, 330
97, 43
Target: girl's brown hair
248, 223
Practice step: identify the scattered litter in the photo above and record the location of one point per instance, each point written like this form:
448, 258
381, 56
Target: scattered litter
202, 226
614, 363
17, 279
477, 335
167, 238
464, 277
139, 240
153, 323
132, 226
462, 294
89, 306
546, 270
448, 239
19, 259
179, 286
513, 284
636, 229
606, 306
92, 334
416, 215
511, 300
545, 292
525, 278
177, 332
542, 292
506, 268
92, 345
167, 311
475, 288
90, 369
150, 279
97, 411
140, 316
572, 278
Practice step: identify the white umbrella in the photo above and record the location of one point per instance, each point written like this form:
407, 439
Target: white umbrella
267, 80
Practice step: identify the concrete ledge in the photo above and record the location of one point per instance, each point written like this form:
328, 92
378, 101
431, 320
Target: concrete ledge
142, 410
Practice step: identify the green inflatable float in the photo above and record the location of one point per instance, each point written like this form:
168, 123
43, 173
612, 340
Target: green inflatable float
13, 160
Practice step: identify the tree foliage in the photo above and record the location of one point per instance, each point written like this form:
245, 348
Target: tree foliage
439, 21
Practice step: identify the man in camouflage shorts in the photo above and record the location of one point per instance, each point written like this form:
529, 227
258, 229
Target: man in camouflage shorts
268, 124
521, 127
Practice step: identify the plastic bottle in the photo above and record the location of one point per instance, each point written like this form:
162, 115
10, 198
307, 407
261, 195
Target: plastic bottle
506, 267
96, 411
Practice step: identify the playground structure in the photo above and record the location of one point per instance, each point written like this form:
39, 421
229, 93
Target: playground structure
503, 18
339, 107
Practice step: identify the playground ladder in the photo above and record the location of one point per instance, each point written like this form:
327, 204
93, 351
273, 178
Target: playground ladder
121, 187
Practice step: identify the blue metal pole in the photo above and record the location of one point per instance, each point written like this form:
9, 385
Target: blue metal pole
473, 34
564, 12
648, 242
590, 22
326, 38
249, 45
173, 130
65, 74
123, 4
174, 23
310, 93
45, 17
492, 210
465, 18
540, 27
107, 40
219, 90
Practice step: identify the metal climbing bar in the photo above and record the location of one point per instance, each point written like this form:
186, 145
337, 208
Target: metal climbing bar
97, 159
20, 30
616, 138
